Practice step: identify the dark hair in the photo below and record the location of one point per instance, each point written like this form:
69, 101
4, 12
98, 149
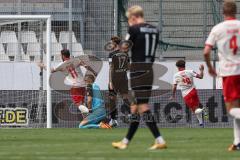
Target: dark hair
90, 76
230, 8
180, 64
66, 53
116, 39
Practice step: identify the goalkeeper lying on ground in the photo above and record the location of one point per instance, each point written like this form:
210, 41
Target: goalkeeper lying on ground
95, 104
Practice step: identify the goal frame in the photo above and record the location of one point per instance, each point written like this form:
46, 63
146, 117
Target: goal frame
46, 18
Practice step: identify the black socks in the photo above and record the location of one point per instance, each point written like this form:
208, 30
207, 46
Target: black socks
135, 118
150, 122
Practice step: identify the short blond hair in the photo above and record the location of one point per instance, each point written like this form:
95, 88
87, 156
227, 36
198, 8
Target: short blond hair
135, 10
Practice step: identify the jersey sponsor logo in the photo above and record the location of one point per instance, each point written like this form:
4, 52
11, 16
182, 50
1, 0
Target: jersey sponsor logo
232, 65
233, 31
13, 117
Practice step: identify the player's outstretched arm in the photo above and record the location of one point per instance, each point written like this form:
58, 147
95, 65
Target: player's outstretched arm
174, 89
89, 102
207, 52
91, 70
201, 74
43, 66
88, 68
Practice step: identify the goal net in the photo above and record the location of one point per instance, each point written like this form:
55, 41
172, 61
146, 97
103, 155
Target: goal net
24, 42
30, 95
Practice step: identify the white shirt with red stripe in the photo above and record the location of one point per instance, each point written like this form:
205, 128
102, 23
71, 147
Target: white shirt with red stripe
73, 77
184, 80
226, 36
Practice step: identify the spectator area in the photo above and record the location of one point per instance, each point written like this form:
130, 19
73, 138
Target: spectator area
28, 47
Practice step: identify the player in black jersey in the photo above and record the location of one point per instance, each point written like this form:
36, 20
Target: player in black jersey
118, 81
145, 39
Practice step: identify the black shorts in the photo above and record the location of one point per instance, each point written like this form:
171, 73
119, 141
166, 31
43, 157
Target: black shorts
142, 81
120, 83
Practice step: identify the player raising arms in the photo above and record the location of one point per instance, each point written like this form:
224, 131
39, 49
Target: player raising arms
184, 80
226, 35
73, 78
118, 80
145, 39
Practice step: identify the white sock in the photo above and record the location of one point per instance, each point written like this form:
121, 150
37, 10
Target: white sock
125, 141
236, 131
198, 113
160, 140
235, 112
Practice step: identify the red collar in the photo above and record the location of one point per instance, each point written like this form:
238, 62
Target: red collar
230, 18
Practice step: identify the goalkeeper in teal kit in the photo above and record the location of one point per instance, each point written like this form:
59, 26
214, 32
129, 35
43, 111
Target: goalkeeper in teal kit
95, 104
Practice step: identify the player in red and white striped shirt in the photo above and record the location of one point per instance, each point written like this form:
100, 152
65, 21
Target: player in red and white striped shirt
184, 80
226, 35
74, 78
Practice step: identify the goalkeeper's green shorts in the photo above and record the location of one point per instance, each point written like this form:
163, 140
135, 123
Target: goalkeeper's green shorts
96, 116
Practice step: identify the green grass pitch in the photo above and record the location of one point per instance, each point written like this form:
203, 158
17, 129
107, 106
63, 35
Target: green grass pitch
76, 144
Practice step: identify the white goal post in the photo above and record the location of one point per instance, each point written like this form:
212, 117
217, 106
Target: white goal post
47, 18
